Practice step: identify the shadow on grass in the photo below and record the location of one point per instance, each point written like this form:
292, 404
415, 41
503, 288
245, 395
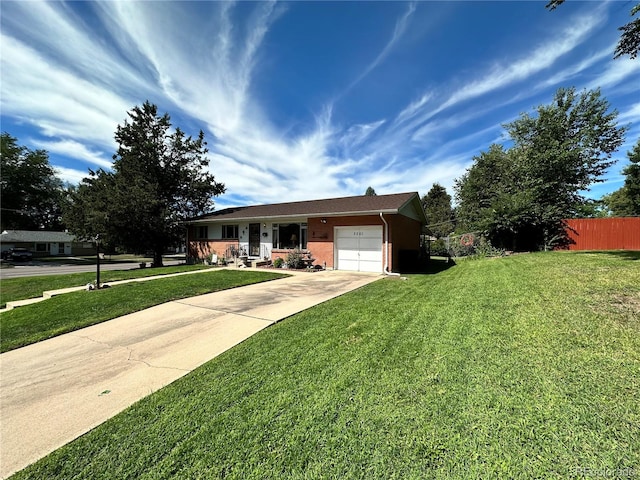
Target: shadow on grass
437, 265
621, 254
434, 265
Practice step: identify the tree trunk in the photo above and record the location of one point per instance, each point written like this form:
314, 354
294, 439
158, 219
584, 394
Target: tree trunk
157, 258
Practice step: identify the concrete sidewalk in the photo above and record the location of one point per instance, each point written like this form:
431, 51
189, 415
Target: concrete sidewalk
56, 390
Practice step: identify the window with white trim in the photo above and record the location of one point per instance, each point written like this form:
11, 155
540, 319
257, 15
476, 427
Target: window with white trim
289, 235
229, 232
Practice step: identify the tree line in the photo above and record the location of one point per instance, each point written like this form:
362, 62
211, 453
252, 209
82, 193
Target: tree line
159, 179
519, 197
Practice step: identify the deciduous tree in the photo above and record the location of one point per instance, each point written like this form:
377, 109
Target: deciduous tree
31, 194
521, 196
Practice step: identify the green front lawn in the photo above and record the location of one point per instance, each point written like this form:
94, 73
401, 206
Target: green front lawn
30, 287
519, 367
72, 311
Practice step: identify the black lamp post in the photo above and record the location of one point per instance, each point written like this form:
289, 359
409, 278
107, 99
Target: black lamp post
98, 261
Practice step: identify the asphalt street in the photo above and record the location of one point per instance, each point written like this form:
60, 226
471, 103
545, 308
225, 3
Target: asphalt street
31, 269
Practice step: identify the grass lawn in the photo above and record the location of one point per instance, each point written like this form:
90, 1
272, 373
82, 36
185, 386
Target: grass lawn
519, 367
29, 287
65, 313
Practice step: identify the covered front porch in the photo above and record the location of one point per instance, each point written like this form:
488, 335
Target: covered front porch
251, 243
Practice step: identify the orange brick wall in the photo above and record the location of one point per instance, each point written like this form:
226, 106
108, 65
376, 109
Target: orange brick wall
201, 248
404, 233
320, 235
204, 248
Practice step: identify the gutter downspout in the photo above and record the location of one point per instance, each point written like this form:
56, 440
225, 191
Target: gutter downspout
386, 247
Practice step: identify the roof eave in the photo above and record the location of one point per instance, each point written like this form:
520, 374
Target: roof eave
293, 216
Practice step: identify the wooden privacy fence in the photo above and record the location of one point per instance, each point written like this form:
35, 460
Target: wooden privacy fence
618, 233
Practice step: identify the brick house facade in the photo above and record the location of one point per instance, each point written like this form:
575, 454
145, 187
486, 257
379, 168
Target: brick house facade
365, 233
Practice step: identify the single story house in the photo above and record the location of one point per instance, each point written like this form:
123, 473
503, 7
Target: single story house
44, 244
379, 233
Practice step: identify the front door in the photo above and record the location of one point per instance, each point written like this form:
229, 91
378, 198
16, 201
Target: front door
254, 239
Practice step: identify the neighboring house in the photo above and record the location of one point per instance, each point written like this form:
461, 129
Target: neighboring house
44, 244
364, 233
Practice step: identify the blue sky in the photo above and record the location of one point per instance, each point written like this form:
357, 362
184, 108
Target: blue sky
306, 100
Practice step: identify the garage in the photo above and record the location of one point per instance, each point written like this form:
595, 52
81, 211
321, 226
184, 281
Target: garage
358, 248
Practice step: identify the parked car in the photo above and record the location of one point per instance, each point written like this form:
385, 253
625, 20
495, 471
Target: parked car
17, 254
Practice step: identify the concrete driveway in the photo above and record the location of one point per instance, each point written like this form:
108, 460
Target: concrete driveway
56, 390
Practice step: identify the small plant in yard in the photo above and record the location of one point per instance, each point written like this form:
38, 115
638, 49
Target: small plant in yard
462, 245
295, 258
278, 262
485, 249
439, 248
467, 245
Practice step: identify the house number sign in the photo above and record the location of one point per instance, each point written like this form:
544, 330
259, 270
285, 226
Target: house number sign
358, 234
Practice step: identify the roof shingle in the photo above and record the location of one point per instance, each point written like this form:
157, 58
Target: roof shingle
35, 236
358, 205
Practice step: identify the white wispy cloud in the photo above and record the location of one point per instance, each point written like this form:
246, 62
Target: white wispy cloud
204, 64
631, 114
58, 102
70, 175
74, 149
398, 31
248, 154
357, 134
411, 120
57, 32
617, 72
540, 59
414, 107
577, 68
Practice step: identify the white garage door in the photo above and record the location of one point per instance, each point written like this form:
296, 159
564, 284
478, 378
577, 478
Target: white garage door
359, 249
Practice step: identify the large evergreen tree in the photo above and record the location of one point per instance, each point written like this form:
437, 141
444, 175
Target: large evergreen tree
521, 196
30, 192
159, 179
438, 210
